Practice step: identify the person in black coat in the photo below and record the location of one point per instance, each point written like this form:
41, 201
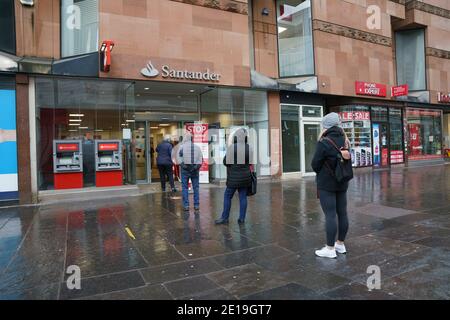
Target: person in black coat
238, 160
332, 194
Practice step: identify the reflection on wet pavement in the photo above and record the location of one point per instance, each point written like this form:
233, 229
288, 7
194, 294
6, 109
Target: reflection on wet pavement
399, 221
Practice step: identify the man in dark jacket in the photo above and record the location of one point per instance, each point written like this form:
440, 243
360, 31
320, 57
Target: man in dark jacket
190, 158
164, 162
238, 158
332, 194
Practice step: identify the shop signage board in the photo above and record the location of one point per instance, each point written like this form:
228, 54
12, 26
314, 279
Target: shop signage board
398, 91
355, 115
370, 89
199, 133
150, 71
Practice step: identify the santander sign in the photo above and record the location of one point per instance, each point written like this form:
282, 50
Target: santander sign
166, 72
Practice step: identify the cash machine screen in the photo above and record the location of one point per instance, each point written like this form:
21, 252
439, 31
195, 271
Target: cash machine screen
106, 159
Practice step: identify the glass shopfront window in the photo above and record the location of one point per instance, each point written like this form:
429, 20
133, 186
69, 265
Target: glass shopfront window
295, 42
7, 27
140, 115
410, 56
227, 109
79, 27
356, 123
425, 133
87, 110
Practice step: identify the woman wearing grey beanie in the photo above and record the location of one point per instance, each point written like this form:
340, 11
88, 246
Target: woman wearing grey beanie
331, 192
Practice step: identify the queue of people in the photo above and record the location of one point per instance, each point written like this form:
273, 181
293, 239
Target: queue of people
331, 162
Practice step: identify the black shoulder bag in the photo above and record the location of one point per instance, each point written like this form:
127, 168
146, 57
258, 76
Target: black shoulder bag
344, 170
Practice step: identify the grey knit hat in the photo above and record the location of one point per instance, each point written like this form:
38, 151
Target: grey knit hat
331, 120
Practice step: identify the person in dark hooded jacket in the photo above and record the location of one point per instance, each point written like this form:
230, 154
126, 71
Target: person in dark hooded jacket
332, 194
238, 160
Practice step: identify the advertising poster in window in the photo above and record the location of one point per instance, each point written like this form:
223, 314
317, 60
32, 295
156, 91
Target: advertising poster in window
356, 125
415, 142
199, 133
8, 146
376, 144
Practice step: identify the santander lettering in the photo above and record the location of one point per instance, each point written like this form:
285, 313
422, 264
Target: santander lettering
189, 75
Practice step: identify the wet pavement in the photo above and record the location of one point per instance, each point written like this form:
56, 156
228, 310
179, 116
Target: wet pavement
399, 221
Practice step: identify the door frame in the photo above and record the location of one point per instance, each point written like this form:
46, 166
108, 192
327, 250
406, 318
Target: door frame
301, 121
148, 177
302, 146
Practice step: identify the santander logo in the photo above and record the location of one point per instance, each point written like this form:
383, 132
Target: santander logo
149, 70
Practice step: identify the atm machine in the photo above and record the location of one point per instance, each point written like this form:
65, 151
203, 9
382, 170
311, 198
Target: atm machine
67, 164
108, 163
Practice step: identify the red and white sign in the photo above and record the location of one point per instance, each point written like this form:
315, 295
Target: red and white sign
199, 133
105, 55
397, 156
370, 89
443, 98
108, 147
399, 91
67, 147
354, 115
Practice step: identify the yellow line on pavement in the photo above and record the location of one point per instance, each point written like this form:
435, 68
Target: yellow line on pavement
128, 230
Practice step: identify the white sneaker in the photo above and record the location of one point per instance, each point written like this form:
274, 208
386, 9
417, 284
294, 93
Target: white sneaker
326, 253
340, 248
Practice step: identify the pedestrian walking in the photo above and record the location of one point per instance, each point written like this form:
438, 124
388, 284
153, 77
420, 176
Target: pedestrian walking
238, 161
164, 163
190, 159
332, 189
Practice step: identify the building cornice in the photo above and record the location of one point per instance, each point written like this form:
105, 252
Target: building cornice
224, 5
437, 53
351, 33
428, 8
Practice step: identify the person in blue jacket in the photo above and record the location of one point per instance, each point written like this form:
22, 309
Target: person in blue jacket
164, 162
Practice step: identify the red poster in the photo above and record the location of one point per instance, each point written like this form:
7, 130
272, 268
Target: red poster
414, 139
199, 133
397, 156
398, 91
370, 89
384, 157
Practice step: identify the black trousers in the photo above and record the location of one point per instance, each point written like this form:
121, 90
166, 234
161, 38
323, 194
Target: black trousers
166, 171
334, 204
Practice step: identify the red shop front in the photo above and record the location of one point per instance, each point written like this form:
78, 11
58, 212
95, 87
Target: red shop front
424, 134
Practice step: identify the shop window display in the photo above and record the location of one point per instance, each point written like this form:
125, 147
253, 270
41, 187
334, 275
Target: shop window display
356, 124
425, 134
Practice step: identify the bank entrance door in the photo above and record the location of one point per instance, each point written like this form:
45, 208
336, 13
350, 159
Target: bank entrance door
147, 136
300, 126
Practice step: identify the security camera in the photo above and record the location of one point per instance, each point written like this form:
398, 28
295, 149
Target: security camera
28, 3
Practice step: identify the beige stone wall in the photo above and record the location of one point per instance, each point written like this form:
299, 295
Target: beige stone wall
265, 38
38, 29
346, 50
184, 36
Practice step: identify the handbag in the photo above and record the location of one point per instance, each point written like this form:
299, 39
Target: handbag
251, 190
343, 171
